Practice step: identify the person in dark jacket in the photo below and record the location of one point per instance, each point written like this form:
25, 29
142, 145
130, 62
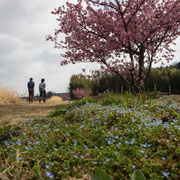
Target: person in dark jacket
42, 90
30, 86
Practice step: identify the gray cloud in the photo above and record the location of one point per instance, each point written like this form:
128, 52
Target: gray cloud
24, 52
177, 53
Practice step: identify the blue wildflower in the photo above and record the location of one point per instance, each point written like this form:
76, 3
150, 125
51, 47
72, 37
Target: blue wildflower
20, 158
142, 150
47, 166
95, 162
118, 144
75, 142
133, 166
49, 174
6, 143
86, 147
166, 173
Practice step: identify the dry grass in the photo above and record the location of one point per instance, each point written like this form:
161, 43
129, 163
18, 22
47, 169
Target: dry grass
15, 113
54, 99
8, 97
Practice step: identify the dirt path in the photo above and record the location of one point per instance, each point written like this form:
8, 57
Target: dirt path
13, 114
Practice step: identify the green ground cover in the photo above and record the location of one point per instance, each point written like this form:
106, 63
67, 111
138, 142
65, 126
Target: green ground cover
117, 134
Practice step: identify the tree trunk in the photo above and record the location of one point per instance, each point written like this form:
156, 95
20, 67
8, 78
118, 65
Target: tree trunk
141, 70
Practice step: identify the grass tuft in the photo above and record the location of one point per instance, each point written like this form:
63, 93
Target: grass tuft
54, 99
9, 97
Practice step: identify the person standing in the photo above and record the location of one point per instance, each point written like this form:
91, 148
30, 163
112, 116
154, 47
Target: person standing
30, 86
42, 90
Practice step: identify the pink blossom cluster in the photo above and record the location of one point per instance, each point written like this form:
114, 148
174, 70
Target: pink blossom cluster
81, 93
120, 35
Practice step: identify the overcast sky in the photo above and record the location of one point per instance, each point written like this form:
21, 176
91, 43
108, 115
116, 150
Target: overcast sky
25, 53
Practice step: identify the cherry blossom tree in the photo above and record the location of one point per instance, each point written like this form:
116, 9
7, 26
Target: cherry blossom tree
121, 35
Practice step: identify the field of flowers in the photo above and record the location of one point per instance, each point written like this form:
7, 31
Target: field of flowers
117, 134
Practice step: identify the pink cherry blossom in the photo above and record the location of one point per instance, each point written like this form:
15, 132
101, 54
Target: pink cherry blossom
121, 35
81, 93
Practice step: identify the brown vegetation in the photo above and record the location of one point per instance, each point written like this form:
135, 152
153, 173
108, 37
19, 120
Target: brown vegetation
54, 99
9, 97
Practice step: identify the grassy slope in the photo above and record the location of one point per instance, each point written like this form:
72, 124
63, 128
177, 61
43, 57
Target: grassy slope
65, 129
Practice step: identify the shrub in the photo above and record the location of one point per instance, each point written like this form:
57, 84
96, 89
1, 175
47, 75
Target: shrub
81, 93
79, 82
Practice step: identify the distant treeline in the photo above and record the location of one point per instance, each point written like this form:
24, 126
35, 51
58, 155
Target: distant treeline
161, 79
